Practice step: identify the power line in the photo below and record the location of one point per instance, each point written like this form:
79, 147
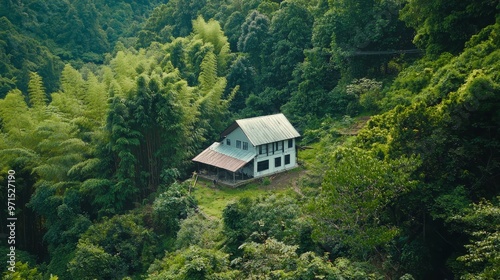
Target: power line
411, 51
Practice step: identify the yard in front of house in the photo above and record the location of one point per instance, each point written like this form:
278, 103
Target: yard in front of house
212, 200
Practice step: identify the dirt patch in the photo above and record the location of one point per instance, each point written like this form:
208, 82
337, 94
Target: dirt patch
356, 127
286, 179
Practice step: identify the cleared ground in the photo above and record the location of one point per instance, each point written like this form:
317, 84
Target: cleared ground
212, 200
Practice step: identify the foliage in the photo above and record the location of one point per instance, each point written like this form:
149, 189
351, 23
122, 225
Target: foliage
356, 195
213, 201
272, 259
92, 261
451, 125
253, 34
290, 31
315, 80
21, 256
483, 256
193, 263
275, 260
447, 25
198, 230
104, 103
18, 58
367, 91
23, 271
42, 153
351, 27
275, 216
411, 81
114, 248
211, 32
172, 206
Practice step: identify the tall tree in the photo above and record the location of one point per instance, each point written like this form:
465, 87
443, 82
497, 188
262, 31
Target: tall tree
356, 29
253, 38
447, 25
290, 32
36, 91
353, 211
483, 255
211, 32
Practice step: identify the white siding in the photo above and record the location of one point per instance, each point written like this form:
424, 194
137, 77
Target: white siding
270, 156
239, 135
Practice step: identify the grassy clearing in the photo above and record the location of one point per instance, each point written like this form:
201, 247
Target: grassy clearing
308, 156
213, 200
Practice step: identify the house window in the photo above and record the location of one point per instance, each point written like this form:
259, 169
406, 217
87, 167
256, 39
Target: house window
262, 165
262, 149
238, 144
245, 145
228, 142
287, 159
278, 146
290, 143
277, 162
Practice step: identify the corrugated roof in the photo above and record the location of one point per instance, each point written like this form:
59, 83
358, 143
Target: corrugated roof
225, 157
265, 129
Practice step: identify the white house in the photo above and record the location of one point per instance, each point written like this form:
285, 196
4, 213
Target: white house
253, 147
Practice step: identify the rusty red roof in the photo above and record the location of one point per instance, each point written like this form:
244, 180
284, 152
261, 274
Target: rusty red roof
224, 157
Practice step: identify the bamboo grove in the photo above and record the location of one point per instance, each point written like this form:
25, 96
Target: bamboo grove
104, 104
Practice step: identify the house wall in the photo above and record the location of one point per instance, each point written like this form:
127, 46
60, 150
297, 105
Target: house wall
239, 135
270, 156
249, 169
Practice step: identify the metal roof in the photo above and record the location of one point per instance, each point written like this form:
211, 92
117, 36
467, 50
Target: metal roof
265, 129
225, 157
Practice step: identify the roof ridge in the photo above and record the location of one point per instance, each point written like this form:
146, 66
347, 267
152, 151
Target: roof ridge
257, 117
267, 129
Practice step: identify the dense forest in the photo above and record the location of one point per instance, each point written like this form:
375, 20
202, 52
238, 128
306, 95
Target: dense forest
103, 104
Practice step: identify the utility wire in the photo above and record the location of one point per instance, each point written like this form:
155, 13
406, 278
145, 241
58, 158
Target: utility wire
357, 53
